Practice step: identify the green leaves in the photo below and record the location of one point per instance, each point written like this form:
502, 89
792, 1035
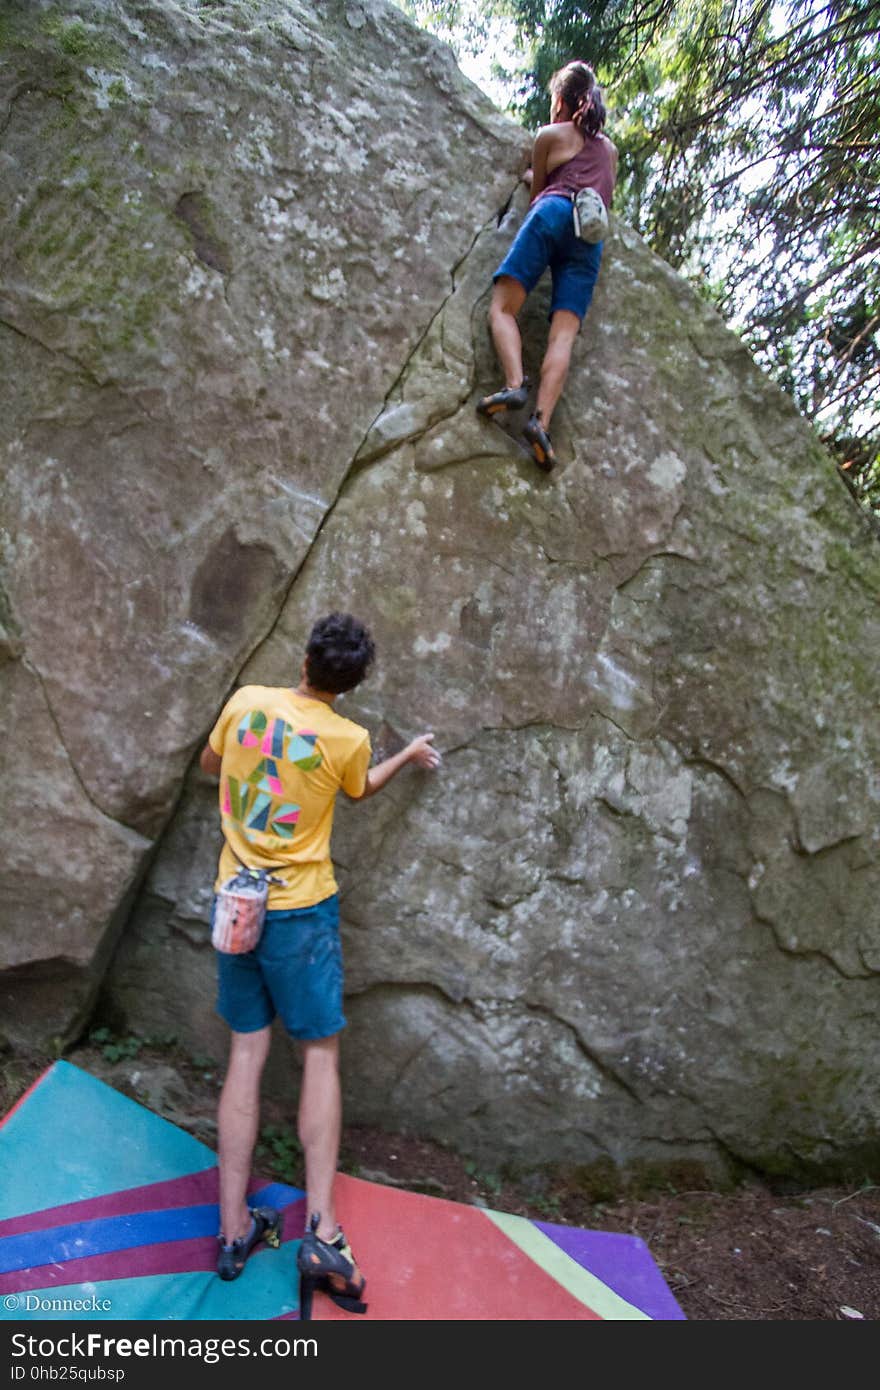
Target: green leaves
759, 156
113, 1048
281, 1150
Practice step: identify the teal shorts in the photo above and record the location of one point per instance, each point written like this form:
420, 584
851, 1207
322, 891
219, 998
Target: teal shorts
295, 972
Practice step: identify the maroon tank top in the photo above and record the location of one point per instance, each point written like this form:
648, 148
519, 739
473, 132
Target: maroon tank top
591, 167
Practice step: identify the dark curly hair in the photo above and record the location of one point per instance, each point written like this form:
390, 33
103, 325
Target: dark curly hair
576, 84
339, 653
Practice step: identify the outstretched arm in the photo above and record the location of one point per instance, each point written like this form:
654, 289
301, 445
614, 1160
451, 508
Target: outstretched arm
418, 752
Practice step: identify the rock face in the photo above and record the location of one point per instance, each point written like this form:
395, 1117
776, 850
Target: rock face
634, 916
216, 255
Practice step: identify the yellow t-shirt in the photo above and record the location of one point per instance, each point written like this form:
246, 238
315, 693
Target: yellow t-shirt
284, 758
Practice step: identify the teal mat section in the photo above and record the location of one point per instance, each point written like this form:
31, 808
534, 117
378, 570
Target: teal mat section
76, 1138
268, 1287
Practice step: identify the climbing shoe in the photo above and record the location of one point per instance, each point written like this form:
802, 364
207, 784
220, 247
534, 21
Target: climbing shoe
265, 1225
329, 1266
539, 442
511, 398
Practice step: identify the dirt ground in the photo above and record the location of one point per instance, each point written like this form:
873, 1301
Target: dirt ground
757, 1252
753, 1253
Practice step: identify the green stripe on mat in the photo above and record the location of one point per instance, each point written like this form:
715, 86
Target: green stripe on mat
566, 1271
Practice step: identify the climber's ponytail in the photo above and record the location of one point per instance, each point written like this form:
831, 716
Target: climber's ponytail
576, 84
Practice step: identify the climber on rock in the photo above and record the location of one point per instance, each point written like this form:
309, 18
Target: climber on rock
569, 154
282, 755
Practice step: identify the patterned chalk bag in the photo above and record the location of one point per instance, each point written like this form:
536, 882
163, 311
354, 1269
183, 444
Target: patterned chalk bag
240, 910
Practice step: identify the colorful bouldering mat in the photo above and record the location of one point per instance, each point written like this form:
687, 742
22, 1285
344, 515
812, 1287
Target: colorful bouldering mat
110, 1208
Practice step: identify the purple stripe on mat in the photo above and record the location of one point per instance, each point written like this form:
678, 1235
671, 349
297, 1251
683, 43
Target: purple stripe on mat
192, 1190
622, 1262
168, 1257
171, 1257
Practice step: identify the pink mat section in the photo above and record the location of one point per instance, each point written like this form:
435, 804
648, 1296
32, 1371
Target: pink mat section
426, 1259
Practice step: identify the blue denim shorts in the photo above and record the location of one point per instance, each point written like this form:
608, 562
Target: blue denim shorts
547, 238
295, 972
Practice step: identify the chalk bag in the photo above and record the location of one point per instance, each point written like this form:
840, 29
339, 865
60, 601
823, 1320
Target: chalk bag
240, 911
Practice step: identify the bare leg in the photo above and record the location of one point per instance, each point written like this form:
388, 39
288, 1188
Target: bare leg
238, 1118
320, 1128
564, 328
508, 297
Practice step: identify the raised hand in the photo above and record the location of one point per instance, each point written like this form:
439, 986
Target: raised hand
422, 754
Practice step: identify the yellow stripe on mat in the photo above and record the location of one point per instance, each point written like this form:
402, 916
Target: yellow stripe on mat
566, 1271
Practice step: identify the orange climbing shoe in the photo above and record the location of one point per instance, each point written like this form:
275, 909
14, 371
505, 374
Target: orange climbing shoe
511, 398
539, 442
328, 1265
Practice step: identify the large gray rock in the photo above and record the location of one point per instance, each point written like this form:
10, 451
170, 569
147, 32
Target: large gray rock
634, 916
224, 229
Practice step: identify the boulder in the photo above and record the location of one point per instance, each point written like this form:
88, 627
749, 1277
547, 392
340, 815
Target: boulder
633, 916
217, 252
